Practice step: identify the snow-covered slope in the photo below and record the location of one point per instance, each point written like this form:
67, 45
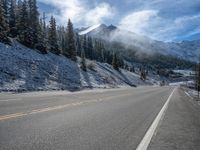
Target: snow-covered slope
22, 68
89, 29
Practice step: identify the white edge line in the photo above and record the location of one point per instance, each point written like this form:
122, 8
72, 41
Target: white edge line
150, 132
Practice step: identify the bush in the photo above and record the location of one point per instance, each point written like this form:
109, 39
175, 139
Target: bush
91, 66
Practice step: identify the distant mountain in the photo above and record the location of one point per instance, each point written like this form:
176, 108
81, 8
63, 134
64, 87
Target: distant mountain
188, 50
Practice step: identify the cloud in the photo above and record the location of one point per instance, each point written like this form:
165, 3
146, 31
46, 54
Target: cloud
181, 27
65, 9
100, 12
187, 19
175, 20
150, 23
79, 12
165, 20
137, 21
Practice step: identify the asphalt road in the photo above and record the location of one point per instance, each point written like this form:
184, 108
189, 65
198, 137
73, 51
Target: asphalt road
92, 120
180, 128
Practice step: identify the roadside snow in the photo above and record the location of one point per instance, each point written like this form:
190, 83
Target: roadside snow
24, 69
186, 73
193, 93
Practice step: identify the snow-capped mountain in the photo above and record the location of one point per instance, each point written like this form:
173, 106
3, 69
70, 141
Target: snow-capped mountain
89, 29
189, 50
98, 30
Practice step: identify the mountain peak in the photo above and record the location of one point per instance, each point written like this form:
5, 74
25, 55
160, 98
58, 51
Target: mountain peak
103, 26
98, 28
112, 27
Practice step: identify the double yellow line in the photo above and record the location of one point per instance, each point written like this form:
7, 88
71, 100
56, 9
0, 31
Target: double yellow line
21, 114
5, 117
47, 109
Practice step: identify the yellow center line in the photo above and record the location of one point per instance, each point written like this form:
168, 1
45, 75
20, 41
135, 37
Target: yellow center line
5, 117
22, 114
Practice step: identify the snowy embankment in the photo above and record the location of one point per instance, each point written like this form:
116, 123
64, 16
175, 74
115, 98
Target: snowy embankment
24, 69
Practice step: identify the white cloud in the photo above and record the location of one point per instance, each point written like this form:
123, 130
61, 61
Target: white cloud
79, 12
187, 19
137, 21
100, 12
180, 27
176, 20
149, 23
67, 9
158, 19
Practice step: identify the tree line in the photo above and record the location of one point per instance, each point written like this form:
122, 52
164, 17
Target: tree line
20, 19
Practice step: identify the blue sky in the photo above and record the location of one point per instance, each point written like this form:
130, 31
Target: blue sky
166, 20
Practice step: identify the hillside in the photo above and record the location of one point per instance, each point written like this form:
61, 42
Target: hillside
23, 69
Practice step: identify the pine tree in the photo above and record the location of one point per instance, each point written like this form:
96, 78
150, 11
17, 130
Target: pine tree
78, 45
101, 52
52, 37
44, 31
42, 45
108, 56
18, 13
22, 25
90, 48
63, 43
97, 50
2, 19
132, 69
33, 23
143, 74
3, 24
121, 62
83, 61
61, 38
85, 45
12, 18
4, 28
6, 15
71, 49
115, 62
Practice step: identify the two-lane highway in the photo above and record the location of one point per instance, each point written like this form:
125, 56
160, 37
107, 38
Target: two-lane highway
97, 120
